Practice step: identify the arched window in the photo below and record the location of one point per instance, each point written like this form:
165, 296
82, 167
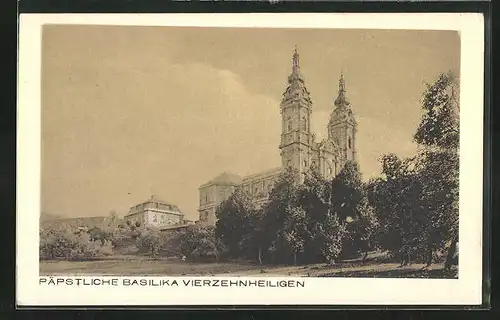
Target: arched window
289, 124
349, 142
305, 163
329, 170
289, 163
313, 164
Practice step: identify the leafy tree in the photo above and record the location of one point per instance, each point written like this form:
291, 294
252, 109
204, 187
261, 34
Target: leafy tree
396, 198
234, 226
349, 202
150, 240
284, 195
332, 232
347, 191
97, 234
438, 134
295, 230
314, 198
362, 230
200, 241
64, 243
439, 126
416, 199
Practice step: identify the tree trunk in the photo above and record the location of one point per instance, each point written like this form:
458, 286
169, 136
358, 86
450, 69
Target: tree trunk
365, 256
260, 255
451, 253
429, 257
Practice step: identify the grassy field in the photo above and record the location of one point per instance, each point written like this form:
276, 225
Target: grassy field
134, 265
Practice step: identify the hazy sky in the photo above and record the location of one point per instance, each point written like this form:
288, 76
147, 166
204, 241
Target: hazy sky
132, 111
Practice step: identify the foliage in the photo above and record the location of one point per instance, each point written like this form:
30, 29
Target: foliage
235, 223
199, 242
283, 197
126, 235
416, 199
315, 197
295, 230
332, 232
151, 241
439, 125
60, 243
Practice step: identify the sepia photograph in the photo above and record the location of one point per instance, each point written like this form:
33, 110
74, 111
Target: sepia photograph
263, 152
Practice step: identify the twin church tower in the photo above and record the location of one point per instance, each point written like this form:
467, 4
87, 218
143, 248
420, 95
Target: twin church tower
298, 146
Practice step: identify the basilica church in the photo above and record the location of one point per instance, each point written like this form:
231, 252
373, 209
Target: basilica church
298, 147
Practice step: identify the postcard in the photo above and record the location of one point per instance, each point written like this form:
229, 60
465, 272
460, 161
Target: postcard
250, 159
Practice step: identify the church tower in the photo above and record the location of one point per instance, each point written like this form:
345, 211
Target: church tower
342, 126
296, 108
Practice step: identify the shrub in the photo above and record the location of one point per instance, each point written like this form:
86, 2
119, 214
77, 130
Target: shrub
150, 241
59, 243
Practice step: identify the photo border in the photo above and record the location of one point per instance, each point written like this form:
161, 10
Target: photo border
487, 199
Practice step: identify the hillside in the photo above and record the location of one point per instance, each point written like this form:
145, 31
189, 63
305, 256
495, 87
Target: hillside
48, 220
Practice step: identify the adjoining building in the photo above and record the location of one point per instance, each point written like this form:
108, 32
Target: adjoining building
298, 147
158, 214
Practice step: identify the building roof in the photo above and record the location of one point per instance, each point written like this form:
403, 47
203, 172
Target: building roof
175, 226
155, 199
225, 178
266, 173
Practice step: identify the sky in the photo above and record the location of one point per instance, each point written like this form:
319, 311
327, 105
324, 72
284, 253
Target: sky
130, 111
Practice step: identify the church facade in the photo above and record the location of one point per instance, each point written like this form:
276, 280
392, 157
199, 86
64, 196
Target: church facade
298, 147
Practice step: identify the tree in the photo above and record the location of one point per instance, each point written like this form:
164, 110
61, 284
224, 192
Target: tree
438, 134
295, 230
314, 198
284, 195
64, 243
416, 199
200, 241
348, 201
347, 190
362, 231
332, 232
150, 240
235, 222
396, 199
439, 126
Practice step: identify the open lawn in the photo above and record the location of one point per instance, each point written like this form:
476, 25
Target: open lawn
135, 265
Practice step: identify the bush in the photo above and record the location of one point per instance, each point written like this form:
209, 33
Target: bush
69, 245
150, 241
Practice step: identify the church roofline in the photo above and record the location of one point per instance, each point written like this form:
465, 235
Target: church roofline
262, 174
